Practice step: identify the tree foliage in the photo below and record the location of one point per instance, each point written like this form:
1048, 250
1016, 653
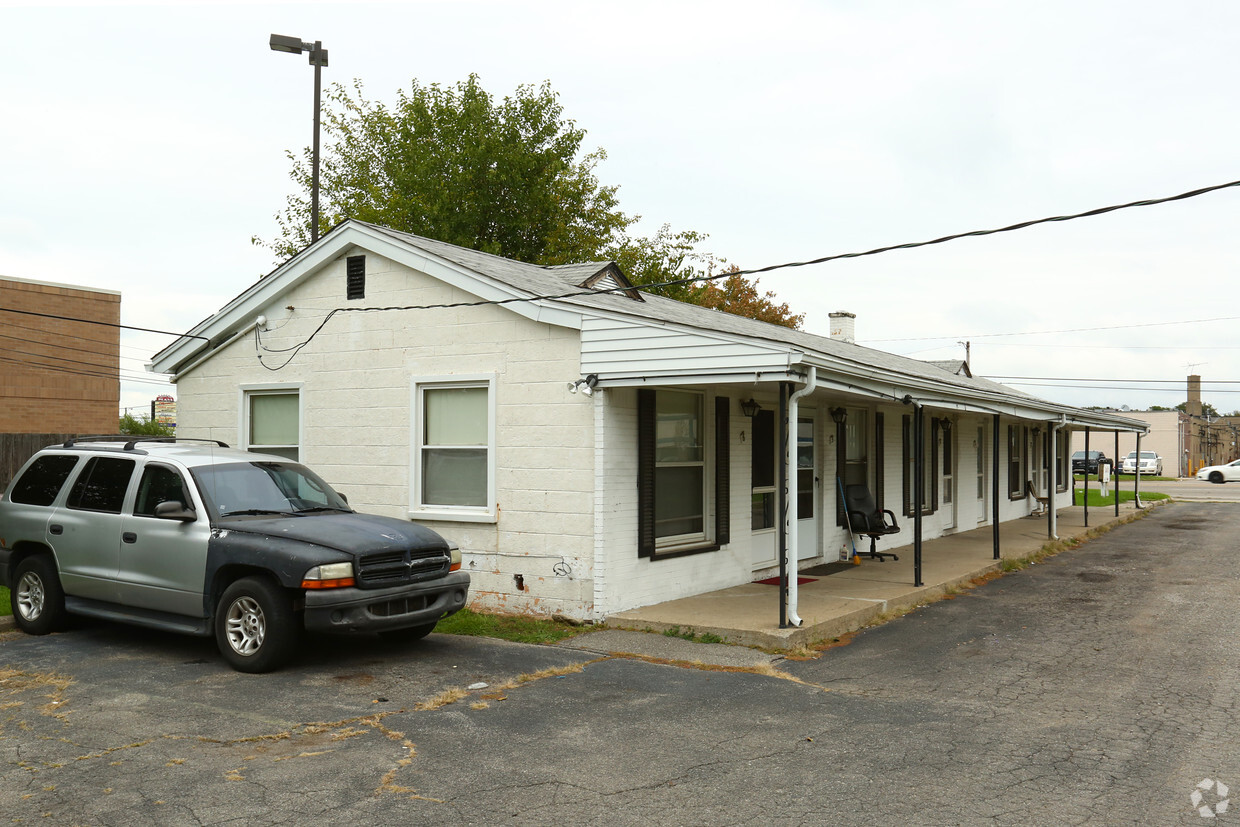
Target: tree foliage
506, 177
1206, 409
454, 164
737, 294
142, 426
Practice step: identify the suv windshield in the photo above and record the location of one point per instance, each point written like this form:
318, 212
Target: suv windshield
241, 489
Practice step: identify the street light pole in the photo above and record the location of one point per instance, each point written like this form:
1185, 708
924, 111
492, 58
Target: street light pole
318, 59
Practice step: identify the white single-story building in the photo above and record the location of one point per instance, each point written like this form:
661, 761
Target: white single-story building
592, 448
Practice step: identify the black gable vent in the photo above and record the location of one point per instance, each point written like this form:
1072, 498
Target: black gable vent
355, 272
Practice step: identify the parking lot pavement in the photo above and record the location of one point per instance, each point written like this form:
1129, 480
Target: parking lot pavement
1099, 686
111, 724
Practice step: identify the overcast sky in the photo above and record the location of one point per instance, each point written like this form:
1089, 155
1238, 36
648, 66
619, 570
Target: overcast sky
143, 146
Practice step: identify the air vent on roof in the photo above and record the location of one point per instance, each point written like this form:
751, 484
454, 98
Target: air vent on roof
608, 282
355, 274
611, 280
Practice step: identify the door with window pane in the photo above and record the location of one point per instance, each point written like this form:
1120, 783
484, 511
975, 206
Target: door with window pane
807, 489
983, 490
947, 477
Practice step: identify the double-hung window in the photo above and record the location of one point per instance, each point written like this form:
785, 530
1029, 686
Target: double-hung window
683, 470
453, 462
272, 421
1016, 436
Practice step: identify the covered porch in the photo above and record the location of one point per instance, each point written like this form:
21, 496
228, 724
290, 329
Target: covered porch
854, 596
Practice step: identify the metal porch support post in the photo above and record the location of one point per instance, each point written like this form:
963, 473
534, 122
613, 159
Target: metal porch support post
1136, 474
994, 485
1115, 473
781, 505
919, 493
1085, 496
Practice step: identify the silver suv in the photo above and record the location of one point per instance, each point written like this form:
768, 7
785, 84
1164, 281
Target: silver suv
193, 536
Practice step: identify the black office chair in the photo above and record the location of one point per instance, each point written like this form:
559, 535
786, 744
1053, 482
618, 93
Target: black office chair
864, 517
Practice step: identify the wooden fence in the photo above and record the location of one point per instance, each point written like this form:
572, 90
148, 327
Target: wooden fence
15, 449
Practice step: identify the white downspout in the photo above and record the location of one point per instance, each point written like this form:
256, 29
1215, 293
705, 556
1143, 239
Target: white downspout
811, 379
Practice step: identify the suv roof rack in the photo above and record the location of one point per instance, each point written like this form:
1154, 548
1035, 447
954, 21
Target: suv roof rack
130, 440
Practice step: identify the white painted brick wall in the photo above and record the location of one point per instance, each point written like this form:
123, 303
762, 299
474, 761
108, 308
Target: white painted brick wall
355, 383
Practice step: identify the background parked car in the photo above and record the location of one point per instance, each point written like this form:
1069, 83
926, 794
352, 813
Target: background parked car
1151, 463
1221, 473
1082, 465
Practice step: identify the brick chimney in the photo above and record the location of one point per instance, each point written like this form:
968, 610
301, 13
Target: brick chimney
1193, 408
844, 326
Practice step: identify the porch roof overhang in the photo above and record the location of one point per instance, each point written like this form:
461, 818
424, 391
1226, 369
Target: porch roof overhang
626, 352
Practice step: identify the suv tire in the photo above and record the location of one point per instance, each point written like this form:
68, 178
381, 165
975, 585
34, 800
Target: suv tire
37, 599
256, 628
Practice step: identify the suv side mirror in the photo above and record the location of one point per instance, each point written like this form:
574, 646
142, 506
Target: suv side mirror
175, 510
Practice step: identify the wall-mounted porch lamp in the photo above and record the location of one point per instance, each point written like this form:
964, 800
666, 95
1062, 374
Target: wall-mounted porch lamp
750, 408
838, 415
318, 59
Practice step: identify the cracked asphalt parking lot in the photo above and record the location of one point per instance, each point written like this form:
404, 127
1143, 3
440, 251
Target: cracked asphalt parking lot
1099, 687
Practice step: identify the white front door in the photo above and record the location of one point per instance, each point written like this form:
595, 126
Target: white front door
947, 462
764, 541
983, 490
808, 488
764, 517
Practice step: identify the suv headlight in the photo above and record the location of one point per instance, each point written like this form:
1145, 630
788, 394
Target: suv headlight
455, 554
329, 576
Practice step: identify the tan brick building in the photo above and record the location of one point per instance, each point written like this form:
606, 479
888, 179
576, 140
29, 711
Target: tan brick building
58, 375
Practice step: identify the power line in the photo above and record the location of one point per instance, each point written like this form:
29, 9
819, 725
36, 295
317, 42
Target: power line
105, 324
146, 379
1088, 379
295, 349
1065, 330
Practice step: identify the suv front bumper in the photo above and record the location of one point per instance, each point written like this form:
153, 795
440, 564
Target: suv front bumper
382, 610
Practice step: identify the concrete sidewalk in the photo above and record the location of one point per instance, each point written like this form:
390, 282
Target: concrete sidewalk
847, 600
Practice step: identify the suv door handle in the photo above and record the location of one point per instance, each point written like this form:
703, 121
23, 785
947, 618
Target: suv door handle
129, 537
56, 529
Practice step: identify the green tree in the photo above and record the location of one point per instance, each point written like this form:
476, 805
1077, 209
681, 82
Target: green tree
506, 177
142, 426
453, 164
1206, 409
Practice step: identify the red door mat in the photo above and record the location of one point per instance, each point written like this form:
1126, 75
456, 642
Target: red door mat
774, 581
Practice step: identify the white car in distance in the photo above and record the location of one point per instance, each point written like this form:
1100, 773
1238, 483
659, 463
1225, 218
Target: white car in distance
1151, 463
1220, 473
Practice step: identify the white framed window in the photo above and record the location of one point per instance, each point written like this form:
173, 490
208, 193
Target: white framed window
271, 418
452, 467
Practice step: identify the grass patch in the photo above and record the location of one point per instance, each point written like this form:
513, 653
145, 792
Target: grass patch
1096, 499
516, 628
690, 635
6, 607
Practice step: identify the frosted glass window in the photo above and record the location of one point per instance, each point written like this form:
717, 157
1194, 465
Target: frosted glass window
456, 416
455, 450
275, 424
